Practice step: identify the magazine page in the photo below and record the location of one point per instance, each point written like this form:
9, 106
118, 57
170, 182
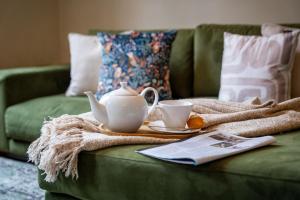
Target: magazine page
205, 148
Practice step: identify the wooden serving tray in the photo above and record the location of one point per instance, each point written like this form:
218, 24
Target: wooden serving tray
145, 131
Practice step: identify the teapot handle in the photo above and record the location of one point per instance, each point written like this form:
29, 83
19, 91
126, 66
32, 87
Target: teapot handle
155, 99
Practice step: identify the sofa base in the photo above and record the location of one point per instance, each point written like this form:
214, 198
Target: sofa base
57, 196
17, 150
13, 156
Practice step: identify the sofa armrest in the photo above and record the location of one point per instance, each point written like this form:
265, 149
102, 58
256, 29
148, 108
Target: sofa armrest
21, 84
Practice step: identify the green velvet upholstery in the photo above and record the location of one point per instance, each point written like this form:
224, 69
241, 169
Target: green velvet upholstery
120, 173
181, 62
208, 50
21, 84
18, 148
23, 121
57, 196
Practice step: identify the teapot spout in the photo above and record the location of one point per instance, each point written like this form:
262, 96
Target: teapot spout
98, 109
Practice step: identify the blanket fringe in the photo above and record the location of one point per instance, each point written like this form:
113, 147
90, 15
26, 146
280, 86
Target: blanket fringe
59, 145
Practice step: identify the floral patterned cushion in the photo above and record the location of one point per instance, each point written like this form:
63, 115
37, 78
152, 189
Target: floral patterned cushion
139, 58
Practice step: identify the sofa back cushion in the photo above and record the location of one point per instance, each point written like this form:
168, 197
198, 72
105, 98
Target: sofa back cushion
181, 62
208, 50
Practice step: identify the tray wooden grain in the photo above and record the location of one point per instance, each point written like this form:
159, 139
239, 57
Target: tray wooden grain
145, 131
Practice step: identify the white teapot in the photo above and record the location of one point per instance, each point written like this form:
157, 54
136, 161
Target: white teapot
122, 110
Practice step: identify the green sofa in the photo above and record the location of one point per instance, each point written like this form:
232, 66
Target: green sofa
29, 95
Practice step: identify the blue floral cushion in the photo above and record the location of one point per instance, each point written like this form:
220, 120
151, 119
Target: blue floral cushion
139, 58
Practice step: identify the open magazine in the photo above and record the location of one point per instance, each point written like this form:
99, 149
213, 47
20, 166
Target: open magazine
205, 148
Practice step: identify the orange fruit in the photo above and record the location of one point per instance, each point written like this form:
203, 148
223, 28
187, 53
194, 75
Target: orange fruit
195, 121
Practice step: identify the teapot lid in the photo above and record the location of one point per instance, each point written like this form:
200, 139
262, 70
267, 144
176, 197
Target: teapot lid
124, 90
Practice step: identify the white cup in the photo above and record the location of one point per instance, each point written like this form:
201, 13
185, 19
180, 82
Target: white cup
175, 113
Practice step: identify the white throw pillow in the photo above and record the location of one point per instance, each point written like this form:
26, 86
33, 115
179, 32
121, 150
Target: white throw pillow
272, 29
256, 66
85, 53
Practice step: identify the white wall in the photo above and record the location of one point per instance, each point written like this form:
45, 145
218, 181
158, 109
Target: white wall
82, 15
34, 32
29, 32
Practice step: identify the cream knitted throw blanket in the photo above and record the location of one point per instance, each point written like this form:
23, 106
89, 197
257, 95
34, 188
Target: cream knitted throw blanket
63, 138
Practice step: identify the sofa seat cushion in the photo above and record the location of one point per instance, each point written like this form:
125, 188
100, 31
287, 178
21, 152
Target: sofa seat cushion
23, 121
271, 172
